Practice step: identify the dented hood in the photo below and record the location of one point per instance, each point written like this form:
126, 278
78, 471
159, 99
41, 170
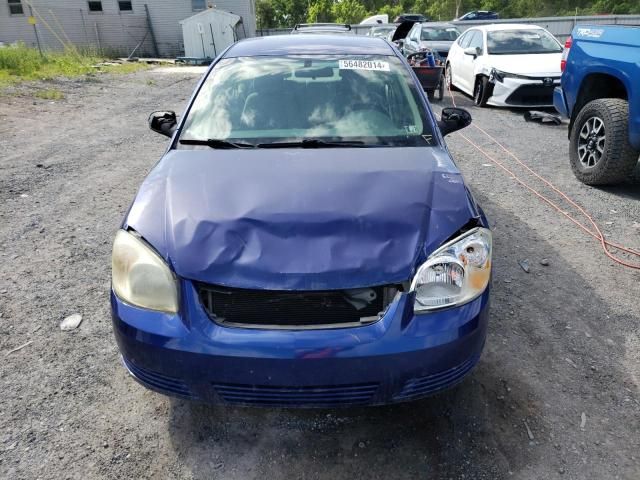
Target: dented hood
300, 219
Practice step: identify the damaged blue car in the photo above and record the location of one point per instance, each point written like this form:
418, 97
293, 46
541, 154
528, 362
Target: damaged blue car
306, 240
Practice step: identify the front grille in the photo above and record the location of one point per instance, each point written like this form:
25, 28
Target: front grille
428, 384
157, 381
532, 95
324, 396
289, 308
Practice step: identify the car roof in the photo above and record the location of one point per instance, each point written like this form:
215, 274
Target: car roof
310, 44
507, 26
438, 24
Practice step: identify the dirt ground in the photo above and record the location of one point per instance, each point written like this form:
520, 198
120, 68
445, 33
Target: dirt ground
556, 393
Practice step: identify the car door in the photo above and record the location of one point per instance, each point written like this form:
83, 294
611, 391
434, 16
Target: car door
455, 55
467, 62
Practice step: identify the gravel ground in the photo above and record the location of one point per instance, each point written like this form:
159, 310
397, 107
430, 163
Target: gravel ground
556, 393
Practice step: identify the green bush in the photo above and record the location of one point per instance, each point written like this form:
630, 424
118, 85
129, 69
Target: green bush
19, 62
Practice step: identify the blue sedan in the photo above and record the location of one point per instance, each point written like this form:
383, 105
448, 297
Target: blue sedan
306, 240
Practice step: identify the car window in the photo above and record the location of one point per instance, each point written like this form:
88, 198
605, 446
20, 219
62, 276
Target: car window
464, 40
476, 41
522, 41
371, 99
439, 34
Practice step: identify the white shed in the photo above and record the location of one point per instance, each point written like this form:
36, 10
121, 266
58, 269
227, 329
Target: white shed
208, 33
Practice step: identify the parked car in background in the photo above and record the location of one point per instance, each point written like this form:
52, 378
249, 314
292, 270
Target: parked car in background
437, 37
506, 65
382, 31
478, 15
306, 240
323, 29
413, 17
600, 94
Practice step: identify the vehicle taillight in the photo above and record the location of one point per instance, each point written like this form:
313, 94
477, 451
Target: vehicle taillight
565, 53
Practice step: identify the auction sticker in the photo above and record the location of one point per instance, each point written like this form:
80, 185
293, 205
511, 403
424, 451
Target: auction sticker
363, 65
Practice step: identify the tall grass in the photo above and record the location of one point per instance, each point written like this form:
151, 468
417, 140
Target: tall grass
20, 62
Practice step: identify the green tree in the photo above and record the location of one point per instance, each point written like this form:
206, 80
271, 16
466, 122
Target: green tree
320, 12
265, 14
349, 11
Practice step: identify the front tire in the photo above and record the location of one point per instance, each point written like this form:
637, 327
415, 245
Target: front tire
600, 152
481, 92
449, 77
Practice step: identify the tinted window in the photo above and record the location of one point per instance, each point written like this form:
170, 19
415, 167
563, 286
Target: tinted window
506, 42
466, 38
15, 7
476, 40
95, 6
266, 99
439, 34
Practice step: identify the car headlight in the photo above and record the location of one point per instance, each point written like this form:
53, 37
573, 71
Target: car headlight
140, 276
498, 75
456, 273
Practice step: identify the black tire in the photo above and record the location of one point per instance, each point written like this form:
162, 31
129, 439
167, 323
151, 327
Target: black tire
449, 78
481, 91
440, 88
602, 155
431, 95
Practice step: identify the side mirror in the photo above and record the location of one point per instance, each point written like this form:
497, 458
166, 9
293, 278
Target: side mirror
163, 122
473, 51
453, 119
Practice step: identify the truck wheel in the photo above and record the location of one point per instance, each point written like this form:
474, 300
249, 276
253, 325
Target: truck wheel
431, 95
481, 91
599, 152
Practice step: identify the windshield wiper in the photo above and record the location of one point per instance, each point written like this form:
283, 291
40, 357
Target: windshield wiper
216, 143
314, 143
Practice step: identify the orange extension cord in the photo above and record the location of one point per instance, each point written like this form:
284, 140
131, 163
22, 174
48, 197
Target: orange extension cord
597, 234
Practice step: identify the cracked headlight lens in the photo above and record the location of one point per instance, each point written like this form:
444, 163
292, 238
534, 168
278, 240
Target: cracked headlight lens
139, 276
456, 273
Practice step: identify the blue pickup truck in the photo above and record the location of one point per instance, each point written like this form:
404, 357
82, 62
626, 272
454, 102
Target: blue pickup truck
600, 94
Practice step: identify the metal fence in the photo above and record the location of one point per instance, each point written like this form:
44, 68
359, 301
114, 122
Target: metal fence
561, 27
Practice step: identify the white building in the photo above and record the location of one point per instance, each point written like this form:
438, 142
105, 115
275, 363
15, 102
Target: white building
115, 26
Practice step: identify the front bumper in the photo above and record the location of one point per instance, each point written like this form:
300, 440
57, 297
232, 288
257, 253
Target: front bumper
401, 357
522, 92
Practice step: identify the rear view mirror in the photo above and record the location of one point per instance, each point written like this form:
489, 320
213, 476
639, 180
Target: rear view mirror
453, 119
163, 122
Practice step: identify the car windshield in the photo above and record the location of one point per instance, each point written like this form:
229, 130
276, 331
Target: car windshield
514, 42
370, 100
381, 31
439, 34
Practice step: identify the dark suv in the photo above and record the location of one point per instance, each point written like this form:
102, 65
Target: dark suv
412, 17
479, 15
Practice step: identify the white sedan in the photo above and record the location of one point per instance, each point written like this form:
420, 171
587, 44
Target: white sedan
506, 65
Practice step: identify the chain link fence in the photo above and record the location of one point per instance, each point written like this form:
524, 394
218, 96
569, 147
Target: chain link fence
561, 27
